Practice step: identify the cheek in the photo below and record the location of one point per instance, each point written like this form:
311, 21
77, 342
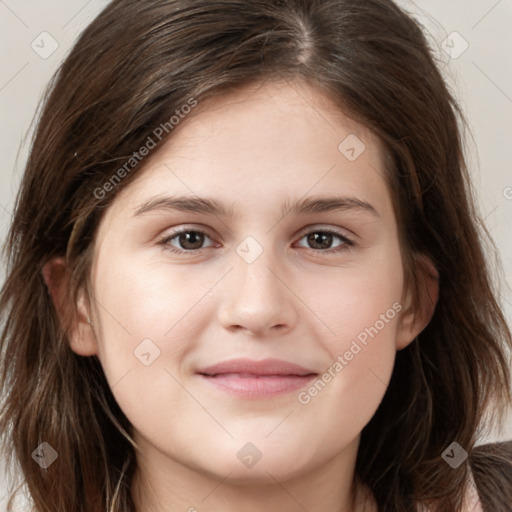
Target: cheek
364, 316
150, 309
151, 318
358, 302
361, 346
342, 401
359, 310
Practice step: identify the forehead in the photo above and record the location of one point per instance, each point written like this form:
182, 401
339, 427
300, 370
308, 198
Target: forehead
263, 144
273, 113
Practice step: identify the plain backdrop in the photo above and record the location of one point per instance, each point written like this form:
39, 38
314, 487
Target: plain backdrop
470, 38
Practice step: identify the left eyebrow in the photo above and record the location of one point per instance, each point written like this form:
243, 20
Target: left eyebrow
211, 206
329, 204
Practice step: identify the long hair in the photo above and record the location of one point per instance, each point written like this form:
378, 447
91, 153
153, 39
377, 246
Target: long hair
130, 71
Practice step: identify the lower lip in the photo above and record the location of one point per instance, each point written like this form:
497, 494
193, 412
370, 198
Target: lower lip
258, 386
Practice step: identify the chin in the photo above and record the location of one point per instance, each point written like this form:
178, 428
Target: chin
260, 463
263, 473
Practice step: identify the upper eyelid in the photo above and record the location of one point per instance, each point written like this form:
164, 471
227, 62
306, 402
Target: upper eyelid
307, 229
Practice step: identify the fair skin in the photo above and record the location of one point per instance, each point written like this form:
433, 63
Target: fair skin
252, 150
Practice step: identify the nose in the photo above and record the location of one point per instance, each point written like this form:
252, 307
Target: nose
257, 299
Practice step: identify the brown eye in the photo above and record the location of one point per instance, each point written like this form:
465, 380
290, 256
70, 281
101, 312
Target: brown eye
321, 241
191, 240
324, 240
187, 240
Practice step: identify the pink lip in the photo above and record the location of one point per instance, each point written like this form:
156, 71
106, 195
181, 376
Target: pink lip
257, 379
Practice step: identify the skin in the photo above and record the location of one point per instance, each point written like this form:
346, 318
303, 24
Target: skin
253, 150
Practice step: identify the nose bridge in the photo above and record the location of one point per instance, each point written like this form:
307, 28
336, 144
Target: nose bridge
255, 298
254, 277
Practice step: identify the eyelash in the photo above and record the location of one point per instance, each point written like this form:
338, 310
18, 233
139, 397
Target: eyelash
347, 243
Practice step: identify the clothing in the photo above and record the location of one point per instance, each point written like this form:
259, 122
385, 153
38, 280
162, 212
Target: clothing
472, 502
491, 466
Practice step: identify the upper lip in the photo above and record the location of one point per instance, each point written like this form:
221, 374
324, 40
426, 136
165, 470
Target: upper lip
263, 367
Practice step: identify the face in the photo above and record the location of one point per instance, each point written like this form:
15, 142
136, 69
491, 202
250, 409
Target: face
300, 303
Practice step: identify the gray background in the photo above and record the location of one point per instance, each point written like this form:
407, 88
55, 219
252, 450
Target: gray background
480, 75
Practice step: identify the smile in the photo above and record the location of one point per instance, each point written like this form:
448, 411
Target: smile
257, 379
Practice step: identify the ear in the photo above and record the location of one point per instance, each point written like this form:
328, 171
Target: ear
413, 321
81, 336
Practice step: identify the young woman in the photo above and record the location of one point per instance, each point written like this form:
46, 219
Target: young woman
245, 272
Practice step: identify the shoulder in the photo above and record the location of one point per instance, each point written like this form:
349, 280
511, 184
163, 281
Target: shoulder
491, 472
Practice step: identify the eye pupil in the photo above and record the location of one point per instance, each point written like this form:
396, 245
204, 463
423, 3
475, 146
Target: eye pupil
327, 239
191, 237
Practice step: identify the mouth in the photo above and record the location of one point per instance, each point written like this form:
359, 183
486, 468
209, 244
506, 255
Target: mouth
256, 379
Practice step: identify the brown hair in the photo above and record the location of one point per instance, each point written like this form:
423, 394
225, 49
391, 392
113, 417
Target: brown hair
128, 73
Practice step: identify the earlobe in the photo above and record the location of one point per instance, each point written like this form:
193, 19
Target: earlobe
81, 336
413, 321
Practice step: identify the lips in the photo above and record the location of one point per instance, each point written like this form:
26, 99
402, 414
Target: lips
256, 379
247, 366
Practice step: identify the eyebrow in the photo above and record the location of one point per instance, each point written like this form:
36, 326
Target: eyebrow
211, 206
